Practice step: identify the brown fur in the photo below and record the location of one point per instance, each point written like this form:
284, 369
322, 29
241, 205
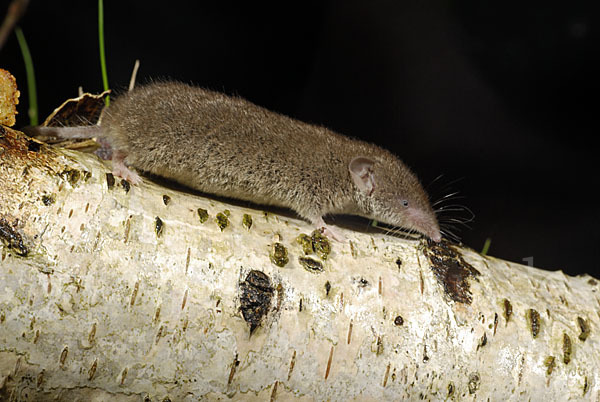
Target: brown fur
231, 147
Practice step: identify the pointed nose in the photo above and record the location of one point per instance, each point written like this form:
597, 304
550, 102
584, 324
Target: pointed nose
425, 223
436, 236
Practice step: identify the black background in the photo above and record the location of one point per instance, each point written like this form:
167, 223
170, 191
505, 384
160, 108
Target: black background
499, 98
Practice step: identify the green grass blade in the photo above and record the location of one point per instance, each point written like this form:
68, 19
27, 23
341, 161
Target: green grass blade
31, 90
486, 246
102, 52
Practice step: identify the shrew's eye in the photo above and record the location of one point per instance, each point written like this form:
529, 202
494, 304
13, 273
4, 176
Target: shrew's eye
404, 203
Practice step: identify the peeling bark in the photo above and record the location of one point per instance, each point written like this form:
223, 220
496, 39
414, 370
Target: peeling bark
127, 293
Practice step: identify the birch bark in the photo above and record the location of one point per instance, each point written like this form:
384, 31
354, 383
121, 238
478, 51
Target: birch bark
108, 293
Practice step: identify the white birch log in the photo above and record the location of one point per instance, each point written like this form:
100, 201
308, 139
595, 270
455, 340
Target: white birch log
95, 305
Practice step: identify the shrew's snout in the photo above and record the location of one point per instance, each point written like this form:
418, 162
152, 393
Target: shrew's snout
425, 223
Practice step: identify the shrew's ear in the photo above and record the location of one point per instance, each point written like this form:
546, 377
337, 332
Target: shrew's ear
361, 171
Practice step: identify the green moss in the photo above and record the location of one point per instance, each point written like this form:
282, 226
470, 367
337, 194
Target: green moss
222, 219
202, 215
279, 255
247, 221
320, 244
305, 242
